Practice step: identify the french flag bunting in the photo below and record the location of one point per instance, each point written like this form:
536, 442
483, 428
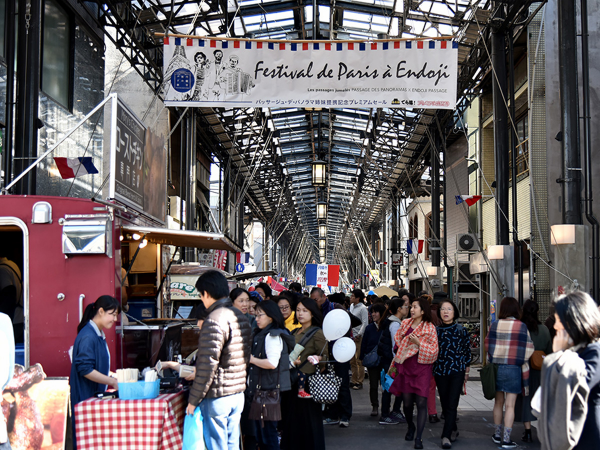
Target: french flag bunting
468, 199
75, 167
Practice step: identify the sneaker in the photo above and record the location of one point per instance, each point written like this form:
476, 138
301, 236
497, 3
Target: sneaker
304, 394
433, 418
454, 435
374, 412
496, 439
388, 420
329, 421
344, 423
446, 443
357, 386
398, 416
509, 444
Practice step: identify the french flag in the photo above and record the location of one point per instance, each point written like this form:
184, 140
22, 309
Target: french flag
468, 199
322, 275
243, 257
75, 167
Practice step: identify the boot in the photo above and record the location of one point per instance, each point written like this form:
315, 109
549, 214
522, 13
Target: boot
527, 437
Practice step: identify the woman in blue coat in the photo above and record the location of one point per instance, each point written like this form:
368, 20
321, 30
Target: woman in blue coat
90, 366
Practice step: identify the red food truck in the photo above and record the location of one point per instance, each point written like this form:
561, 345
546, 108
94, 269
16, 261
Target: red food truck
71, 251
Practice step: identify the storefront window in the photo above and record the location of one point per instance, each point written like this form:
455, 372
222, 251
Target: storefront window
522, 126
56, 73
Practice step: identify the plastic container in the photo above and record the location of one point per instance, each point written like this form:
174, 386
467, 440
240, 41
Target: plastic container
142, 310
140, 390
20, 354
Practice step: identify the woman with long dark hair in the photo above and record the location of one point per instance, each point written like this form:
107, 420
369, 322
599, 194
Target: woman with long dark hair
509, 346
417, 351
303, 417
269, 365
540, 335
451, 370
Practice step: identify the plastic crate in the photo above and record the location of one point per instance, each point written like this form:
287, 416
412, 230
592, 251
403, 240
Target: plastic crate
142, 310
140, 390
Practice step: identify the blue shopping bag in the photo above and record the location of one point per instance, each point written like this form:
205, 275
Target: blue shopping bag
193, 437
386, 380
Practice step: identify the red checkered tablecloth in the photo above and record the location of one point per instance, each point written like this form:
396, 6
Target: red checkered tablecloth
131, 424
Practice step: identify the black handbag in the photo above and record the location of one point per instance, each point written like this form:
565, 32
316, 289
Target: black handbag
266, 403
325, 387
371, 359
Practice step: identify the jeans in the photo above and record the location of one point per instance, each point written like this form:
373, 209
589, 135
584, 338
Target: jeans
450, 387
5, 446
342, 409
358, 371
374, 386
386, 400
221, 421
267, 435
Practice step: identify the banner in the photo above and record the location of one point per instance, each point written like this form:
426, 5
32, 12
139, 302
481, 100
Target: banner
394, 74
322, 275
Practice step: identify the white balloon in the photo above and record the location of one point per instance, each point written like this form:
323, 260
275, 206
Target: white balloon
336, 324
344, 349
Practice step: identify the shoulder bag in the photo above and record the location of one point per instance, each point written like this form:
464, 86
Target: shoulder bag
325, 387
488, 380
295, 371
266, 403
537, 359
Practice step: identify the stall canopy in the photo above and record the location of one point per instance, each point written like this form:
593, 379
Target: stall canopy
184, 238
248, 275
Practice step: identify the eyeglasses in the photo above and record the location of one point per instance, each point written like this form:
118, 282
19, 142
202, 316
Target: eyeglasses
447, 309
284, 308
258, 316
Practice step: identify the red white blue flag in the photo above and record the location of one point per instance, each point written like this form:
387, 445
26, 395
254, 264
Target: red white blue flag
75, 167
468, 199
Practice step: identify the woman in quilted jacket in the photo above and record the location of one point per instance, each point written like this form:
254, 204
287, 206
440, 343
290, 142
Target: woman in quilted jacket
417, 351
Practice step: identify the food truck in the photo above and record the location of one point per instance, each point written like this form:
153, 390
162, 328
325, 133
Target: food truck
70, 252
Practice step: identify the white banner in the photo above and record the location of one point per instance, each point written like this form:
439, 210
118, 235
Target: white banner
395, 74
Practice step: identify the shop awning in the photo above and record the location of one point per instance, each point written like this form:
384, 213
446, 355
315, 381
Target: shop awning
247, 275
184, 238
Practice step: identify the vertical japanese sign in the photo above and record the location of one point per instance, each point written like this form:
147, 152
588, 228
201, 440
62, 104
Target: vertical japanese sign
138, 164
129, 157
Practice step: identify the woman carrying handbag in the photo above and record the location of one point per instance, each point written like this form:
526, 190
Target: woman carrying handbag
269, 372
303, 417
417, 351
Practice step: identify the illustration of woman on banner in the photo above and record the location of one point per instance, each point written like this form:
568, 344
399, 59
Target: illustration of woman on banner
200, 72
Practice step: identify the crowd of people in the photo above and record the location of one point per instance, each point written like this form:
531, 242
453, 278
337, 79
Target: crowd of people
258, 353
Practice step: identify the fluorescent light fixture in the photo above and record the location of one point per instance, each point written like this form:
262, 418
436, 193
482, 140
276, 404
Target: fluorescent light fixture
562, 234
322, 253
322, 243
495, 252
143, 243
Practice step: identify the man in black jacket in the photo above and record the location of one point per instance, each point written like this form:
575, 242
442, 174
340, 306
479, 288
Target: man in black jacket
221, 364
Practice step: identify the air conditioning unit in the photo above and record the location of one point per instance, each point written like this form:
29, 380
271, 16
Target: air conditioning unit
466, 243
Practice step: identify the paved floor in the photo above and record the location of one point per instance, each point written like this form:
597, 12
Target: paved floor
476, 427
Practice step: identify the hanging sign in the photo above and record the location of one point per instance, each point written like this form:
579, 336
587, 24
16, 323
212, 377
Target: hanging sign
322, 275
393, 74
